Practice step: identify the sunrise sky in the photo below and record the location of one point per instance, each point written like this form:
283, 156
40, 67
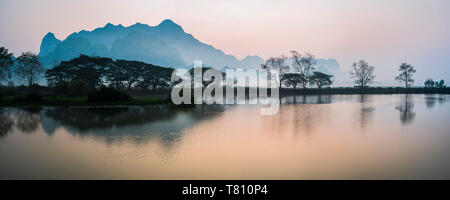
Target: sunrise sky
384, 32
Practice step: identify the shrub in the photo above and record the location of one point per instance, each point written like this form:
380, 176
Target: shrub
108, 95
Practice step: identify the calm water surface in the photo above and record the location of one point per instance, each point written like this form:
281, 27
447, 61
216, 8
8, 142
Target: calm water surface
312, 137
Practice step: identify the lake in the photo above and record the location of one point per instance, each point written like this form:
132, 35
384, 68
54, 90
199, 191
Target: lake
311, 137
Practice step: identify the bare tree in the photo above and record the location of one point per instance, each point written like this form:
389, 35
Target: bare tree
406, 73
29, 68
278, 65
5, 62
303, 64
362, 73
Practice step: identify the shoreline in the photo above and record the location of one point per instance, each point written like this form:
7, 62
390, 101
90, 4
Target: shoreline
370, 90
163, 97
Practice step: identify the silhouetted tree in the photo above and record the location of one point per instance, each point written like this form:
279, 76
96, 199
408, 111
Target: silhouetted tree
429, 83
362, 73
115, 74
320, 79
293, 80
276, 64
303, 64
60, 74
89, 70
441, 84
29, 68
155, 76
406, 73
132, 71
5, 63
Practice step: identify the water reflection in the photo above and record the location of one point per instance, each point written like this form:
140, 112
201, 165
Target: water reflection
366, 111
6, 123
431, 99
28, 119
312, 137
139, 124
308, 99
298, 119
405, 108
132, 124
110, 124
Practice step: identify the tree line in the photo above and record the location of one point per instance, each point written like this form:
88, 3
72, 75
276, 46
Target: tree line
86, 73
301, 72
93, 72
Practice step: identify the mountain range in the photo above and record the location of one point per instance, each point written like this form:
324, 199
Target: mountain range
166, 44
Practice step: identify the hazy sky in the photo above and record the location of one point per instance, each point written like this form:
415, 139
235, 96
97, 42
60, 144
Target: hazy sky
384, 32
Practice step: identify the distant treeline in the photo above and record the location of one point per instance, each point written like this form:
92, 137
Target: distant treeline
81, 75
300, 71
87, 73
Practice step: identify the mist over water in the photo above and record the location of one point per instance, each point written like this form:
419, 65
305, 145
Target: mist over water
311, 137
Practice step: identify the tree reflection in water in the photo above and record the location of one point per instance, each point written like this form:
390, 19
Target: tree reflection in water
133, 124
28, 119
167, 124
406, 109
6, 123
308, 99
366, 110
431, 99
299, 114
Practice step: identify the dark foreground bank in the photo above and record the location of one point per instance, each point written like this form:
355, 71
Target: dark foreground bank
109, 97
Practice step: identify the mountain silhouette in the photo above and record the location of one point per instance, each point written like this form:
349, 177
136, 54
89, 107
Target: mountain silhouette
166, 44
49, 43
